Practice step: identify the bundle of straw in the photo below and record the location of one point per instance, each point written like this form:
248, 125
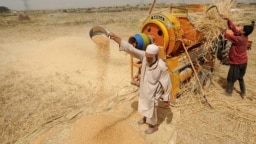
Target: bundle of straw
210, 23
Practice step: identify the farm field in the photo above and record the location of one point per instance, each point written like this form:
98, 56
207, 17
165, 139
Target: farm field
58, 87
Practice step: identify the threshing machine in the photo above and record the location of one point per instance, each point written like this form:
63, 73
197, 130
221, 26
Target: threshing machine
181, 47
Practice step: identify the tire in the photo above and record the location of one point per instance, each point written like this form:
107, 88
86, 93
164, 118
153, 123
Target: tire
205, 78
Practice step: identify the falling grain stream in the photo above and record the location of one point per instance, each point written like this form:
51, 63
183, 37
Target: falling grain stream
102, 43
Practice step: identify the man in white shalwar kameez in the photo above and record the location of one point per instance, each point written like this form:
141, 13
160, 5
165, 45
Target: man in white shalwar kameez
155, 81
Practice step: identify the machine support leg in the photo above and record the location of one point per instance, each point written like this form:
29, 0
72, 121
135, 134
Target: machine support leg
131, 66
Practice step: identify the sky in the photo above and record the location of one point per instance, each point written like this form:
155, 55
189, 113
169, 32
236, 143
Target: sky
65, 4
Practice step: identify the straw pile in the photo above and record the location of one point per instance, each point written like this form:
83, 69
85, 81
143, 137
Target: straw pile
210, 23
23, 17
230, 120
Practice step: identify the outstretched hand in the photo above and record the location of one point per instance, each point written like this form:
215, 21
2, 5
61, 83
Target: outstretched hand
110, 35
114, 37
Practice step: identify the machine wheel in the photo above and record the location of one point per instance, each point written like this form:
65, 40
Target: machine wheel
222, 49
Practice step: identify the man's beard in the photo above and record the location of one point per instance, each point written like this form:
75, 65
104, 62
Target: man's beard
152, 62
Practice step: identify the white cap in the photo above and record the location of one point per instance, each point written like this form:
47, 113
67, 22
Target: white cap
152, 49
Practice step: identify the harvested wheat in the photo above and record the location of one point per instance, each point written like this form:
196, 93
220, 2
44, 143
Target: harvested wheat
210, 23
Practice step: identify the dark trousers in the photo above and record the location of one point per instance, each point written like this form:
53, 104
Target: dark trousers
236, 72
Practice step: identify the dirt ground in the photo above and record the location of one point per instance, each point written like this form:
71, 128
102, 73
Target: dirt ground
58, 87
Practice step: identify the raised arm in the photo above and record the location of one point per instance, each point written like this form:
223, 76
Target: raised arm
127, 47
232, 26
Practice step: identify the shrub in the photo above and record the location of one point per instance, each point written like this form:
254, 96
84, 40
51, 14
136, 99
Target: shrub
4, 9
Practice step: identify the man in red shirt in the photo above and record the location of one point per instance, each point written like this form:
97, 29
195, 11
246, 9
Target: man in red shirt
237, 54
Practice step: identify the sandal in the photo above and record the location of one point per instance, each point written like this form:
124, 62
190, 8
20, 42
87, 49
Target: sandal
151, 129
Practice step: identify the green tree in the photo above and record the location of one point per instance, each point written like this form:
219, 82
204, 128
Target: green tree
4, 9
